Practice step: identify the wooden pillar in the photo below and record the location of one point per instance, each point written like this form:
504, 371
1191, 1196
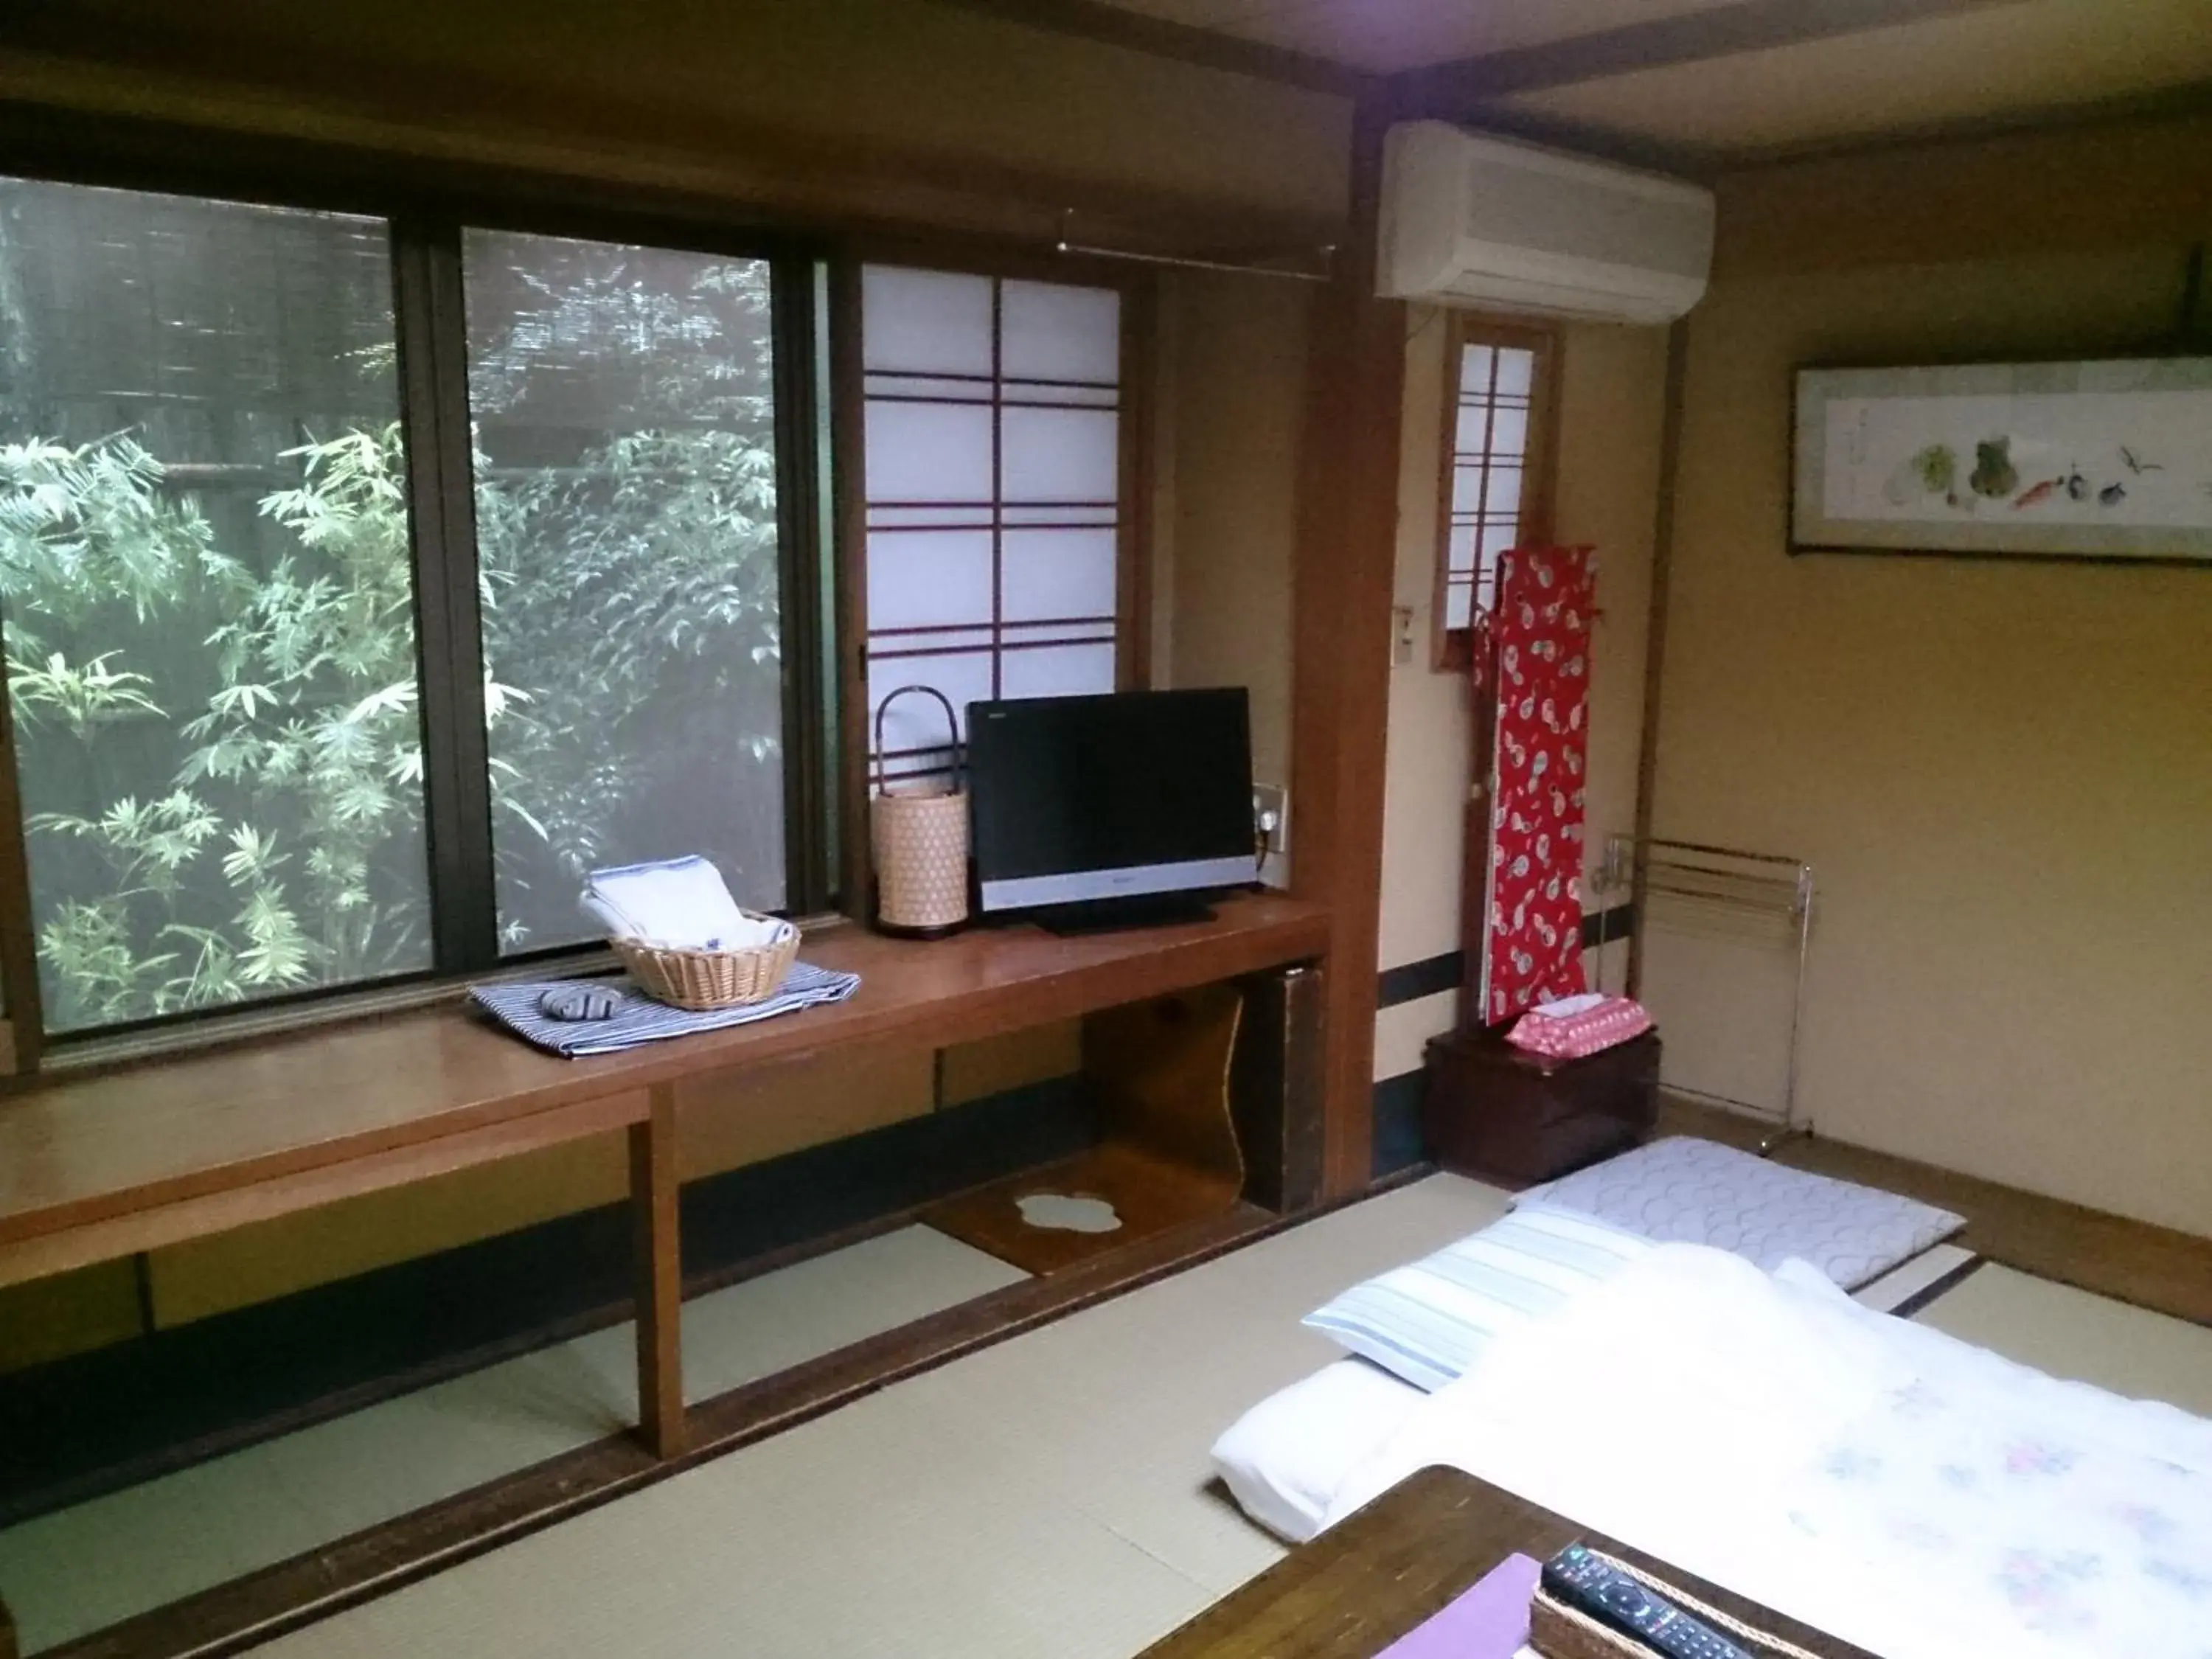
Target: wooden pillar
1344, 565
660, 1265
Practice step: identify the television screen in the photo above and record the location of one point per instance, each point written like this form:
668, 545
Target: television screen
1076, 799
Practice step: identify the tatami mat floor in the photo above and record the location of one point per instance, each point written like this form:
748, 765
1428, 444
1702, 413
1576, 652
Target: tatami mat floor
2072, 1333
82, 1568
1049, 1495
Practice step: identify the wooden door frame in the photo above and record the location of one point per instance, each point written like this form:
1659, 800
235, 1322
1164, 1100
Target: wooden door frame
1344, 572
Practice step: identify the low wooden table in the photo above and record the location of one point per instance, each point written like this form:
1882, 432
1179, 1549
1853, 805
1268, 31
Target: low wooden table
1374, 1577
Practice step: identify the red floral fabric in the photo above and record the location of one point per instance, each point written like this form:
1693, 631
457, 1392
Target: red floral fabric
1542, 624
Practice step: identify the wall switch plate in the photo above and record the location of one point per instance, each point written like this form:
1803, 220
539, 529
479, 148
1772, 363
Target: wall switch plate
1401, 635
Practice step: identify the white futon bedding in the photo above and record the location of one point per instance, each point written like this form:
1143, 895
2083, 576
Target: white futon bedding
1909, 1493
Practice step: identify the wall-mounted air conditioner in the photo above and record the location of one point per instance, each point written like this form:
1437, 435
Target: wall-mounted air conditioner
1469, 220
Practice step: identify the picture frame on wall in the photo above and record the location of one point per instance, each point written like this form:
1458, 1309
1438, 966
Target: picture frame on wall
2103, 460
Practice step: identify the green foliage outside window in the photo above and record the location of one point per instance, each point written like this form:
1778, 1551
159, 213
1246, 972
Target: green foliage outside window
285, 848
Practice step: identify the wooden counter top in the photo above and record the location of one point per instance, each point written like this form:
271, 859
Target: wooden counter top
418, 1092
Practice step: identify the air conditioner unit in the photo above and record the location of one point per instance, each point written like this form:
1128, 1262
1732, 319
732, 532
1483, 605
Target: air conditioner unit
1469, 220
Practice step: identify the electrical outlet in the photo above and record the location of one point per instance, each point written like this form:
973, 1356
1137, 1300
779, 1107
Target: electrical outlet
1402, 636
1271, 818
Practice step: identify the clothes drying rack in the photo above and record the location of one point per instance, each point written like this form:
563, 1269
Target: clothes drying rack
1769, 884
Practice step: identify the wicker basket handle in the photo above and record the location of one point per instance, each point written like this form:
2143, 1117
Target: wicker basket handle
952, 730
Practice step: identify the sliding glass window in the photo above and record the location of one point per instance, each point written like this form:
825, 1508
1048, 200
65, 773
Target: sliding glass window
209, 618
240, 571
625, 481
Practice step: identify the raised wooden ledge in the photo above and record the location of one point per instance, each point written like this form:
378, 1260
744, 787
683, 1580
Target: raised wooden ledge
174, 1143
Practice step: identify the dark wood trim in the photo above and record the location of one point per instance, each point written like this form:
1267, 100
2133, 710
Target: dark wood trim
850, 545
8, 1648
1458, 90
1160, 37
1132, 588
1655, 636
20, 994
430, 333
162, 113
379, 1560
1343, 575
1921, 1300
1409, 982
658, 1262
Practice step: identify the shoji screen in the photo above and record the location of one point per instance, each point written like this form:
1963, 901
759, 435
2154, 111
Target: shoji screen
993, 491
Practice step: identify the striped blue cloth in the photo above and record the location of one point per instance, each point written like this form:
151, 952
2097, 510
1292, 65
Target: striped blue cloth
1429, 1322
639, 1019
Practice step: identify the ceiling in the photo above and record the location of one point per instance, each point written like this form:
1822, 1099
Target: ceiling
1723, 79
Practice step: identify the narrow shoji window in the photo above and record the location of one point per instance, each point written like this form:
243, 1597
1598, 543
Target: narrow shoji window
993, 491
1496, 487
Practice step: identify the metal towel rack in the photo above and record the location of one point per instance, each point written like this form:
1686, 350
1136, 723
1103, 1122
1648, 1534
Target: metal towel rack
1754, 884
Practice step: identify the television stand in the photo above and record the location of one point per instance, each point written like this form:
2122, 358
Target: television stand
1110, 915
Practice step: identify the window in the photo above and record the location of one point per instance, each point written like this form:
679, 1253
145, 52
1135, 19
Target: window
1497, 474
994, 490
364, 584
625, 476
204, 584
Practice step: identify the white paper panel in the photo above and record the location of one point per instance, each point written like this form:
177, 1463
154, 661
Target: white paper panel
1467, 488
1474, 369
1060, 455
1459, 606
1050, 331
1069, 670
915, 721
1508, 433
1496, 540
1459, 551
928, 452
928, 578
1058, 572
924, 322
1517, 372
1503, 497
1473, 428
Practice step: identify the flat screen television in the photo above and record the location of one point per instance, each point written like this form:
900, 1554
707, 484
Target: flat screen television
1110, 810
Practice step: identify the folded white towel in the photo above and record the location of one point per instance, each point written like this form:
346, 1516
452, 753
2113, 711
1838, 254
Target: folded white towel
682, 904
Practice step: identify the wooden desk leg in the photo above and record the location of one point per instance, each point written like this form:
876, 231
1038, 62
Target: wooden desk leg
660, 1265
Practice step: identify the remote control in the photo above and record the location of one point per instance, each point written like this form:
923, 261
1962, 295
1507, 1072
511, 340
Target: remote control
1592, 1585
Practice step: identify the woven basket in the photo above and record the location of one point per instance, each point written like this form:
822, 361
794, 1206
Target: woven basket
704, 979
1559, 1631
919, 835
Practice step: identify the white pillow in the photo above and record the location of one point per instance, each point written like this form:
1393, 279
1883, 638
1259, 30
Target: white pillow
1429, 1322
1285, 1459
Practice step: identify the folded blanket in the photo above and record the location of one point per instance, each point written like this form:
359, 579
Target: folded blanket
637, 1019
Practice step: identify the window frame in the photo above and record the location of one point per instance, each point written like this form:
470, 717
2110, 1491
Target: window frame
426, 209
1133, 667
1452, 649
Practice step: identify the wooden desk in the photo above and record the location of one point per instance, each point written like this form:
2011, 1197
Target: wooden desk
101, 1166
1377, 1574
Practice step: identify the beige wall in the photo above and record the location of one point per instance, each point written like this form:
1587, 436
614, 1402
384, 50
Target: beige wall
1237, 350
1612, 388
2002, 771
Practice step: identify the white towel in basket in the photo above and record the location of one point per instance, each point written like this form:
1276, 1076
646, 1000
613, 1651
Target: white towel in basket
680, 904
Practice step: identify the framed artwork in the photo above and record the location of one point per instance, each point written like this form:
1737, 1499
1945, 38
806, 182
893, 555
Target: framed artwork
2096, 460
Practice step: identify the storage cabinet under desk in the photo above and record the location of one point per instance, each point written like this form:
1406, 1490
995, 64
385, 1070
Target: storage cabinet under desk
1498, 1112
